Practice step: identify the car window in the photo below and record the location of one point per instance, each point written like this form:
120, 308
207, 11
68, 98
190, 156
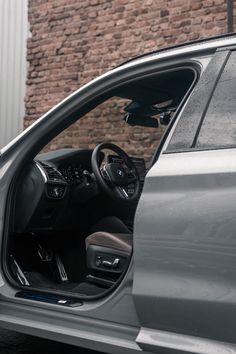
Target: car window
135, 116
219, 126
105, 123
190, 121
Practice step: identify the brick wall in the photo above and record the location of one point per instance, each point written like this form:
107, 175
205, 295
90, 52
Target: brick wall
73, 41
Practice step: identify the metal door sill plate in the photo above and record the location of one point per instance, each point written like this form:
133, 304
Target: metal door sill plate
50, 299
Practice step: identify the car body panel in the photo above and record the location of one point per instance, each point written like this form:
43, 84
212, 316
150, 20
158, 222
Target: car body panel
110, 324
55, 324
184, 247
171, 343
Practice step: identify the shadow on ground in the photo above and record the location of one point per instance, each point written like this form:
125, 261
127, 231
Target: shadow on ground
12, 342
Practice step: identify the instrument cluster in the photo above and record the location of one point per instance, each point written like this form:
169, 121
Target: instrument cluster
73, 174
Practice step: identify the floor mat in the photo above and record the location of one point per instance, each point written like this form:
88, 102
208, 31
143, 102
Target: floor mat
88, 289
39, 280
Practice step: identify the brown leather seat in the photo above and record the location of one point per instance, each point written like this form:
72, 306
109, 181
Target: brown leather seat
111, 224
118, 241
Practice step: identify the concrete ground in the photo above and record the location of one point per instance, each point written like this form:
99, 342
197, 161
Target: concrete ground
16, 343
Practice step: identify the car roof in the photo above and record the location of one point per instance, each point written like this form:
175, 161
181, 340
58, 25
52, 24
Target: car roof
214, 42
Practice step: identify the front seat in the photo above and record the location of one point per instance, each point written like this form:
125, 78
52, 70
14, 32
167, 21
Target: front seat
111, 224
109, 247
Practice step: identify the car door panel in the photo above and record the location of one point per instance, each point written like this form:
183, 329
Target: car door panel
185, 227
185, 245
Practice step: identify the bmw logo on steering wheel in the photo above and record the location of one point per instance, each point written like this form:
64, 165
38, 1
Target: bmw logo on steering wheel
120, 172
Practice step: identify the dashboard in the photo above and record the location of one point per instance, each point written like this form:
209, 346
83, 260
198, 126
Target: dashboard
58, 184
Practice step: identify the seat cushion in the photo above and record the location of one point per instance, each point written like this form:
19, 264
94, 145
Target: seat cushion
110, 224
119, 241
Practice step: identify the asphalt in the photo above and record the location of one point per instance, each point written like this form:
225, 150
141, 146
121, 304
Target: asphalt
12, 342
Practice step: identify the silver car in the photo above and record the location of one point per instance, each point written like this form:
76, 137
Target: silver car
117, 251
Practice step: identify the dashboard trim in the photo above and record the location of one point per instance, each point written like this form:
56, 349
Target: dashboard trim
43, 173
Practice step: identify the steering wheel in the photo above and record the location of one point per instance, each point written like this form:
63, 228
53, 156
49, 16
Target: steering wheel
113, 177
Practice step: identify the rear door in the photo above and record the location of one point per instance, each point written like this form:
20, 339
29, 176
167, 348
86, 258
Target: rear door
185, 228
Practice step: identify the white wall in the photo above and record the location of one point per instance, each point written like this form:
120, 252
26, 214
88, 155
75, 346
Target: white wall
13, 35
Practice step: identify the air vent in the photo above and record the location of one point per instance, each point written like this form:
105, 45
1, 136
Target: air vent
52, 173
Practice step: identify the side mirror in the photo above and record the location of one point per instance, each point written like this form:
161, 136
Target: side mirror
134, 119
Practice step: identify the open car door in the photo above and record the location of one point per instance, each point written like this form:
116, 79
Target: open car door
182, 257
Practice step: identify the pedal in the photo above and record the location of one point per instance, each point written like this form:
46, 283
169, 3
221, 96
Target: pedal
46, 255
54, 262
62, 275
18, 272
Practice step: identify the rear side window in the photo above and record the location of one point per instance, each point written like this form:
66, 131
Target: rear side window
189, 125
218, 129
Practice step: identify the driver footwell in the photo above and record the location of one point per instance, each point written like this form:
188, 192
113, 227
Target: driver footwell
38, 280
36, 264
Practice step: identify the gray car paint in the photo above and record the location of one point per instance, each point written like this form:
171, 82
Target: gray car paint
113, 323
172, 343
185, 242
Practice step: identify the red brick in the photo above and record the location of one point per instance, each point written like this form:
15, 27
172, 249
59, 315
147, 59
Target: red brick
74, 41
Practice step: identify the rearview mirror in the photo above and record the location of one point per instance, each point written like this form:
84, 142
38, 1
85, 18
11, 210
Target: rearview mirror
144, 121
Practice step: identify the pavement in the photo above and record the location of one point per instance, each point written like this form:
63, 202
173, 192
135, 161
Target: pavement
16, 343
